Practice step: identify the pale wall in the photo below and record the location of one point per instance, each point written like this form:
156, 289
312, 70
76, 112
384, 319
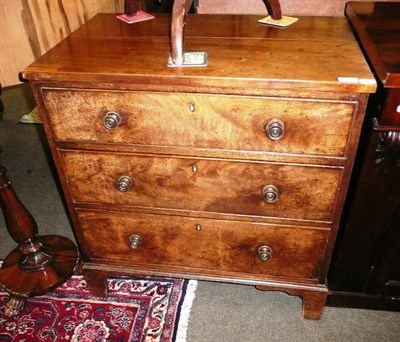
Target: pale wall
29, 28
289, 7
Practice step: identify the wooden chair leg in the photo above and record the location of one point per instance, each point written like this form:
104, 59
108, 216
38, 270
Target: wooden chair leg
181, 8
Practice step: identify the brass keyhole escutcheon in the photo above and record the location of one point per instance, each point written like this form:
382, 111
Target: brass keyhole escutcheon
192, 106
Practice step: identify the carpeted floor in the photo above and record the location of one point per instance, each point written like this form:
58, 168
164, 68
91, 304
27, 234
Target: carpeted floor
221, 312
151, 310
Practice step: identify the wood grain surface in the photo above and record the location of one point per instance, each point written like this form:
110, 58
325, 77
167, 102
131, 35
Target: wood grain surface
226, 187
193, 143
220, 247
234, 62
214, 122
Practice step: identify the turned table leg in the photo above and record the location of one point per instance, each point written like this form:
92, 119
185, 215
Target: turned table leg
39, 263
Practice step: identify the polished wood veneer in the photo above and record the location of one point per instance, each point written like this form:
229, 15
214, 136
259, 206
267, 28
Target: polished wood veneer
206, 122
216, 186
212, 246
233, 172
39, 263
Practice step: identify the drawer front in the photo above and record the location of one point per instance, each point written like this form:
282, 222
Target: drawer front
201, 121
201, 244
219, 186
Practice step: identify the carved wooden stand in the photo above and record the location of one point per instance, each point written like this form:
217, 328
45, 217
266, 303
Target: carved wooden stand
388, 127
179, 10
39, 263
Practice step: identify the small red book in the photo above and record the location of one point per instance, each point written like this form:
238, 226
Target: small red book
140, 16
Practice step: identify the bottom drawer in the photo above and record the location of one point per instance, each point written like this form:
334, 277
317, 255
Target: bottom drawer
202, 245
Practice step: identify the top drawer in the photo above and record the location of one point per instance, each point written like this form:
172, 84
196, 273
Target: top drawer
201, 121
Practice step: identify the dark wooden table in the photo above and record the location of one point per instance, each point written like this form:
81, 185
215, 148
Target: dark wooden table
39, 263
366, 271
377, 26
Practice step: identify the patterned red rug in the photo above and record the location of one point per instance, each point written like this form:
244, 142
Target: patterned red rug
151, 309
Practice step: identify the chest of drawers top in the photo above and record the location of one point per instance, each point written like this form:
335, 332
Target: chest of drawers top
315, 54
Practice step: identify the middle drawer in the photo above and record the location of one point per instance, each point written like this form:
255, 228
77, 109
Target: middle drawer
207, 185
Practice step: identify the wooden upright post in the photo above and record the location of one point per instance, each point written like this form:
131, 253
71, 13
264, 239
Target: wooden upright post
39, 263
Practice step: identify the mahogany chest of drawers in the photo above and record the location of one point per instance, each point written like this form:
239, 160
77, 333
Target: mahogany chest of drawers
235, 171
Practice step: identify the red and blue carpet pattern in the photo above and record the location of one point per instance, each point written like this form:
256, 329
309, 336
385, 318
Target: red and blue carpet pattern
148, 310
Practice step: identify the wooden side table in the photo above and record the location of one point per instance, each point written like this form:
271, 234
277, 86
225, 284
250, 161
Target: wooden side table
366, 271
39, 263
